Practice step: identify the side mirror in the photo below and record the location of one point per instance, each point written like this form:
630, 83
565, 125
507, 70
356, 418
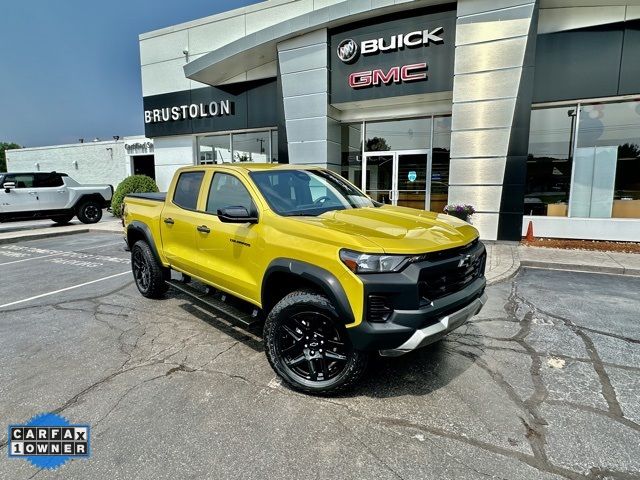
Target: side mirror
236, 214
8, 186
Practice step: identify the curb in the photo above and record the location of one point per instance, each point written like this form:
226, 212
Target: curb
632, 272
53, 234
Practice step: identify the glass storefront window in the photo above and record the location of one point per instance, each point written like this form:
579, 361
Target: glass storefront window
549, 161
440, 163
410, 134
259, 147
251, 147
606, 178
274, 146
214, 149
351, 152
600, 176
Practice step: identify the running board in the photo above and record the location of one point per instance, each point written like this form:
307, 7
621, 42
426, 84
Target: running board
220, 306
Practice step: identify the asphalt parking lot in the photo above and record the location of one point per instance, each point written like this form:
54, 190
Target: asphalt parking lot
543, 384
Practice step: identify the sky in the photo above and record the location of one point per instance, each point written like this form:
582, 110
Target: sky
70, 69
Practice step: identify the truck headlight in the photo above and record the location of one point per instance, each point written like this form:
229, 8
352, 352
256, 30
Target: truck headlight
373, 263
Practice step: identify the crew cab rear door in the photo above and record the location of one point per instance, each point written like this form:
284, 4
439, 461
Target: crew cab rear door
51, 190
179, 220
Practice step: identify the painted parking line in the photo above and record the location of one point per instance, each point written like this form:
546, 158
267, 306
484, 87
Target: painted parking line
28, 250
65, 289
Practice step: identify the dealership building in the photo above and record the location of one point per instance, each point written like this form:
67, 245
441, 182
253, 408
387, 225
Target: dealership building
527, 110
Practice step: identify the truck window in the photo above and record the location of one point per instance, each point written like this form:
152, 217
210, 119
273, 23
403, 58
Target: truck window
22, 180
227, 191
44, 180
187, 190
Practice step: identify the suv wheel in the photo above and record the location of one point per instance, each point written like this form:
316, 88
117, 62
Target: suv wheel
90, 212
308, 346
62, 220
150, 277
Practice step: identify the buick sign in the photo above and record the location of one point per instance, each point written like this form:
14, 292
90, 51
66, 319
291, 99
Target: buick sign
348, 50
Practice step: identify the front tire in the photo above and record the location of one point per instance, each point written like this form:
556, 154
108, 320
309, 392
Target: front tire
150, 276
90, 212
308, 347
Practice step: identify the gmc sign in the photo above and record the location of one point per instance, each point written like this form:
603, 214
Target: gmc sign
398, 74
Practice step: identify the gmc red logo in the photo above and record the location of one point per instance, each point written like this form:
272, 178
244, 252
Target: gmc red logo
406, 73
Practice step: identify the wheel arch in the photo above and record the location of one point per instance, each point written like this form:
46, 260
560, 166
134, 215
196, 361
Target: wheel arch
303, 275
85, 197
139, 231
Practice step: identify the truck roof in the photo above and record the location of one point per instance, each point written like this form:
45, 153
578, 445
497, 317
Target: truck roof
250, 167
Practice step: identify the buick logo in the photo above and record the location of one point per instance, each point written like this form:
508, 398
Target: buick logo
348, 50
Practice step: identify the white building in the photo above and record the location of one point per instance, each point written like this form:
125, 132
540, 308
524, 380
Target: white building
90, 162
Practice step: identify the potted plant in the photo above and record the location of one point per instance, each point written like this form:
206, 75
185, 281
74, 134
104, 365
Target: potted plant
463, 212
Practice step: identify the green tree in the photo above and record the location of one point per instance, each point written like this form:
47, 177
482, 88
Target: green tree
3, 158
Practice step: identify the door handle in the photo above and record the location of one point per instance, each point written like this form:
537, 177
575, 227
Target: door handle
391, 195
33, 193
203, 229
169, 221
61, 191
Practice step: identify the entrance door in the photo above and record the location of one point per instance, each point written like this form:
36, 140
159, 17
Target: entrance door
398, 178
411, 184
378, 177
144, 165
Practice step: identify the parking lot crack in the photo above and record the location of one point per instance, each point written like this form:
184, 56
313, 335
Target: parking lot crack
608, 392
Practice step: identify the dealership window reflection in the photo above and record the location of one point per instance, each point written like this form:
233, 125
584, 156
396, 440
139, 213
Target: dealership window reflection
599, 177
606, 177
257, 146
410, 134
549, 161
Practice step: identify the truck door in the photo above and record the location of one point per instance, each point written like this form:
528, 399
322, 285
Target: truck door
230, 253
23, 198
52, 192
178, 223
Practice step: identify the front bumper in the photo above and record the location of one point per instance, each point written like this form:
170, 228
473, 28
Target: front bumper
433, 333
403, 310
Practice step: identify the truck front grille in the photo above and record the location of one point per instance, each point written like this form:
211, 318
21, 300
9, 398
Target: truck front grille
450, 275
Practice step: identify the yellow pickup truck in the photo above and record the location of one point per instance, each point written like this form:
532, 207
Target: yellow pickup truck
334, 274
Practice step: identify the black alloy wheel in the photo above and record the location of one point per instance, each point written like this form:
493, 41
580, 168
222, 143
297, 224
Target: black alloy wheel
141, 270
90, 212
311, 346
307, 345
150, 276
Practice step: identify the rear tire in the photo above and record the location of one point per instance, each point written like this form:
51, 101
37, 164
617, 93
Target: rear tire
62, 220
150, 276
90, 212
308, 347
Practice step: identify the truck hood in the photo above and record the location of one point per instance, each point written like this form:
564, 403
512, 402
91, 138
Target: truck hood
398, 229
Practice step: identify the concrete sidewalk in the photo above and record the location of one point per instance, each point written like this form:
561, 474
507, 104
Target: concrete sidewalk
505, 259
108, 225
580, 260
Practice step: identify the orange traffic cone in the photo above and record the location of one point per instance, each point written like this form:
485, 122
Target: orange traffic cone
529, 236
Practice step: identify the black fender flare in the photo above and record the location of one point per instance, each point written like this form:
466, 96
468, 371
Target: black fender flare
143, 230
325, 280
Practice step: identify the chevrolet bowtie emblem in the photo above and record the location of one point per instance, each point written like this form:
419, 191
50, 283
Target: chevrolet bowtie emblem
466, 261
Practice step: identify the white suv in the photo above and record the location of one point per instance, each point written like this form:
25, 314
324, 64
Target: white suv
28, 196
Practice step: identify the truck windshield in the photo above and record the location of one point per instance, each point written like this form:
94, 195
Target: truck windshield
308, 192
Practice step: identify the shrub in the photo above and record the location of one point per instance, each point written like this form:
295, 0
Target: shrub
463, 212
132, 184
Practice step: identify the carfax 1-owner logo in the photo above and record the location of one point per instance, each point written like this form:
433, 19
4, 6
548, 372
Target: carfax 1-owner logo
48, 441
